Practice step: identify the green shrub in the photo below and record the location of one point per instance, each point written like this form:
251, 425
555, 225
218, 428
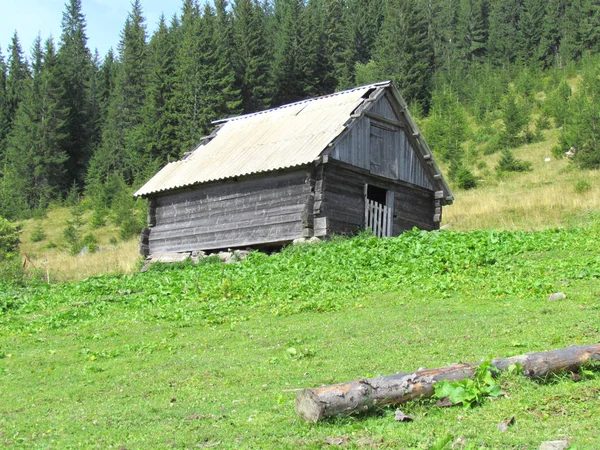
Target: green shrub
38, 234
72, 197
542, 122
11, 270
91, 242
515, 118
462, 176
72, 232
99, 217
465, 179
509, 163
131, 225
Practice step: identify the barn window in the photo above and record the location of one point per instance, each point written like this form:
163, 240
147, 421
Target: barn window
379, 210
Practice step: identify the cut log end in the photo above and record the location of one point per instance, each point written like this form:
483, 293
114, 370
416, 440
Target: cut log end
308, 406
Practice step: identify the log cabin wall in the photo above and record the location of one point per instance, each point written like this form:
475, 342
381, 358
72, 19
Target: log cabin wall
262, 209
340, 206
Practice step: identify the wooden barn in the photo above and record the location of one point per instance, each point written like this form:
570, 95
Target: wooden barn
319, 167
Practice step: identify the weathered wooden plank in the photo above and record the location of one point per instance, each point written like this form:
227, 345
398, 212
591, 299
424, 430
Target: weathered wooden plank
159, 232
214, 217
233, 189
273, 234
288, 195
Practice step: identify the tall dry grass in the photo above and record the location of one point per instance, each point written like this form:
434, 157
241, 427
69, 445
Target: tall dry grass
545, 197
51, 257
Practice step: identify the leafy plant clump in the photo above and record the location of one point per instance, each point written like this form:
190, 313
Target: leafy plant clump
471, 392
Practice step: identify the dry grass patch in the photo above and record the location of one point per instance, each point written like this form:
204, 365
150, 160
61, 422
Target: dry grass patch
545, 197
51, 256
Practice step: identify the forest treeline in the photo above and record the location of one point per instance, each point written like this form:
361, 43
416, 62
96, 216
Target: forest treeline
73, 121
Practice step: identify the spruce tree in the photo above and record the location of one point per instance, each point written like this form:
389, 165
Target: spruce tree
473, 29
531, 23
251, 55
188, 81
159, 122
34, 156
407, 61
311, 55
338, 69
121, 148
18, 77
549, 46
4, 115
572, 43
222, 96
504, 19
591, 25
75, 71
288, 64
107, 79
365, 19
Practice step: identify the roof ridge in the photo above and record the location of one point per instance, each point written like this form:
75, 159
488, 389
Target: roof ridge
300, 102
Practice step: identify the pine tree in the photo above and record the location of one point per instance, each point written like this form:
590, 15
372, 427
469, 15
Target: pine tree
551, 34
121, 148
288, 64
188, 82
504, 19
338, 70
365, 19
35, 160
531, 23
473, 29
75, 66
407, 61
223, 98
251, 55
4, 115
159, 123
18, 77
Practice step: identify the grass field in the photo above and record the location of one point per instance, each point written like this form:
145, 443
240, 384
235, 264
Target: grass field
210, 356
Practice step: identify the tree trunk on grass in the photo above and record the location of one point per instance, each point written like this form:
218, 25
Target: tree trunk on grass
327, 401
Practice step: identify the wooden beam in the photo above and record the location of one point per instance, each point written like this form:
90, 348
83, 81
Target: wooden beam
346, 398
372, 115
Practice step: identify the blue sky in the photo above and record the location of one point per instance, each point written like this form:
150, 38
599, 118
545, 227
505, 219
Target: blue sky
105, 20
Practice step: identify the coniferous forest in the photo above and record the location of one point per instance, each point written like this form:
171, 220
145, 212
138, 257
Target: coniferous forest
73, 122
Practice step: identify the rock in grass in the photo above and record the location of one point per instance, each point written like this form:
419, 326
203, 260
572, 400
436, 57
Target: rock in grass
554, 445
399, 416
557, 296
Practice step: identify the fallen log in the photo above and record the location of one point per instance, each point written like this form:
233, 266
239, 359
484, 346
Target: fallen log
361, 395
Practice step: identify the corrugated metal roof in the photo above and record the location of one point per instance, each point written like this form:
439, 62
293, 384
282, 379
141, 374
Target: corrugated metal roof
288, 136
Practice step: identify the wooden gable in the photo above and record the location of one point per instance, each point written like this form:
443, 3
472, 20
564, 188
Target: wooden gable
379, 141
